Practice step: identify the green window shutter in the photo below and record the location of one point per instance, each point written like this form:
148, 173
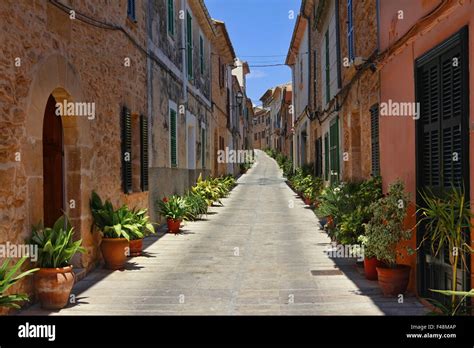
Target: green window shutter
334, 149
374, 129
171, 17
203, 147
144, 152
328, 68
126, 126
189, 44
326, 156
173, 139
201, 54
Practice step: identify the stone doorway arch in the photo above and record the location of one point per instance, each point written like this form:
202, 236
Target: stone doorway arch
55, 76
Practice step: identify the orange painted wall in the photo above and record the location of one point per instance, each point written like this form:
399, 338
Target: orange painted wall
397, 134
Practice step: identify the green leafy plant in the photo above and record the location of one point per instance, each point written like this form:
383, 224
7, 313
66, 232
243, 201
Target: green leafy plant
447, 221
385, 229
8, 279
173, 207
196, 206
55, 245
112, 223
142, 222
460, 308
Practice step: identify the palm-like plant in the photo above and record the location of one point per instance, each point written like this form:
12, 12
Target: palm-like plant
55, 245
447, 221
8, 278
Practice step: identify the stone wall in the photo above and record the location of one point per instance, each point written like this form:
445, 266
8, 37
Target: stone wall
71, 60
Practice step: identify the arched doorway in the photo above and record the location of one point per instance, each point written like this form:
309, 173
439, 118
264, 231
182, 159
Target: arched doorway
53, 164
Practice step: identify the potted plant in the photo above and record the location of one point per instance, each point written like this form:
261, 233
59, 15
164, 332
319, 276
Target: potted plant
370, 260
114, 226
143, 228
447, 222
8, 279
197, 206
55, 278
174, 208
384, 232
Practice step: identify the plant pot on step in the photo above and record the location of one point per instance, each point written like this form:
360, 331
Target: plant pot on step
53, 286
307, 201
370, 267
136, 247
173, 225
393, 280
114, 251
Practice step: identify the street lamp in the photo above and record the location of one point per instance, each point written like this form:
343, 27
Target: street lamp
239, 97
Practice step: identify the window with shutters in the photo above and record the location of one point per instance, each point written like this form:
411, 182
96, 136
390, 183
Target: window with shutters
319, 157
327, 72
350, 31
326, 156
173, 129
131, 10
144, 153
442, 143
203, 148
334, 150
171, 17
126, 126
201, 54
189, 45
374, 132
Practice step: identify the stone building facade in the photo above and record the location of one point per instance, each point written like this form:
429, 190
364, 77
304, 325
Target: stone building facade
50, 163
179, 95
223, 57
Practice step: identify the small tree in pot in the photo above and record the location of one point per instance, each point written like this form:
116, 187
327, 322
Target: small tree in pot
55, 278
383, 234
447, 222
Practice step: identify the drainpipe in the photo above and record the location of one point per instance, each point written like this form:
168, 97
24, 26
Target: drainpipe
183, 38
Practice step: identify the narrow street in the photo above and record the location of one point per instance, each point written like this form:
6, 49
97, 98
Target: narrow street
252, 256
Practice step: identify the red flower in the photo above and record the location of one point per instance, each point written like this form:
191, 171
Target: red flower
165, 199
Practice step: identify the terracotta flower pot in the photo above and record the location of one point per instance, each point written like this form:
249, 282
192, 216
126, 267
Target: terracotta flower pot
53, 286
173, 225
307, 201
114, 251
136, 247
393, 281
370, 267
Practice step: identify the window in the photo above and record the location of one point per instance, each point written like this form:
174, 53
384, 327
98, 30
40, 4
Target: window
334, 149
350, 31
201, 54
203, 147
315, 73
144, 153
374, 130
189, 45
319, 157
126, 150
131, 10
328, 67
171, 17
173, 136
326, 156
301, 73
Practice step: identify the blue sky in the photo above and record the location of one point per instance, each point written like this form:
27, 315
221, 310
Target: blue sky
259, 28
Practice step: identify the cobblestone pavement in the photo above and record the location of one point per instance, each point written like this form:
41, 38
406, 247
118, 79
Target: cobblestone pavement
253, 256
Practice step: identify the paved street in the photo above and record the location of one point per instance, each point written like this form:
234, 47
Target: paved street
255, 255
